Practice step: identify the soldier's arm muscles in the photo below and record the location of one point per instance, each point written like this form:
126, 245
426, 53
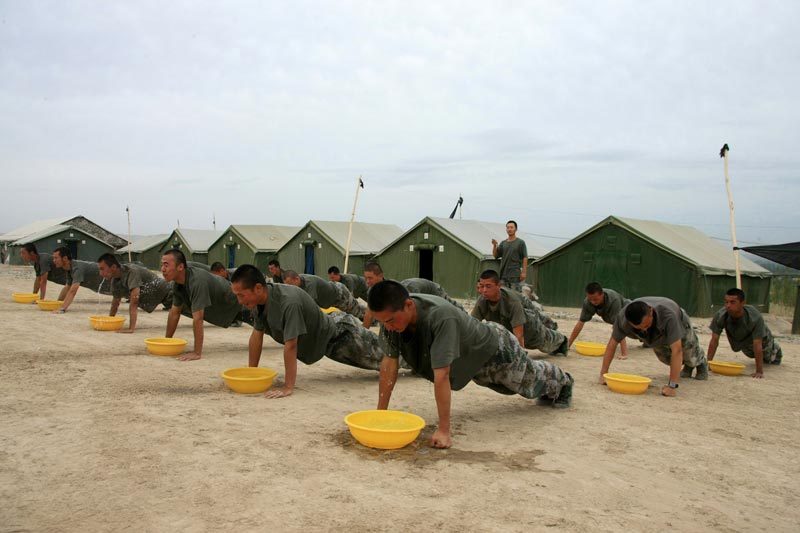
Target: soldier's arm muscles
575, 332
289, 370
388, 377
758, 351
254, 347
611, 347
172, 321
114, 306
441, 389
712, 346
133, 309
676, 361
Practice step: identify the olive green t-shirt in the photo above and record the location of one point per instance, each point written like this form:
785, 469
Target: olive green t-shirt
508, 311
443, 336
608, 311
422, 286
356, 285
290, 313
740, 331
321, 290
670, 323
198, 265
511, 254
87, 275
45, 265
152, 289
213, 294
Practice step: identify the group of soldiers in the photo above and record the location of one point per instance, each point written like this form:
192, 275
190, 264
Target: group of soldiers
420, 326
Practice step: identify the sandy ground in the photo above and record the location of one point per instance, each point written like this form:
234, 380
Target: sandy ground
98, 436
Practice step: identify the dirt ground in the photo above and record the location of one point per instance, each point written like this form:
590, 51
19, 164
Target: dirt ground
99, 436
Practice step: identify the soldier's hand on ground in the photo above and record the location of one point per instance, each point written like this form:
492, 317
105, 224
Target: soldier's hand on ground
757, 375
193, 356
666, 390
281, 392
441, 439
602, 380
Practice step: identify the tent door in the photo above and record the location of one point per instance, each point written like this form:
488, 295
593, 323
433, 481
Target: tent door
309, 268
426, 264
231, 256
73, 247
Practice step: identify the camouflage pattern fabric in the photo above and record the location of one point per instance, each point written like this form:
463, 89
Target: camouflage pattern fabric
693, 353
771, 349
353, 344
540, 337
347, 303
511, 371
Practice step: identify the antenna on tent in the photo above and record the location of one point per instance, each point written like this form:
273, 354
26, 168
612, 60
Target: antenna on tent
214, 220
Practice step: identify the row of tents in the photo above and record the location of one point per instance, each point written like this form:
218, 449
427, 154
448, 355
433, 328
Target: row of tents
634, 257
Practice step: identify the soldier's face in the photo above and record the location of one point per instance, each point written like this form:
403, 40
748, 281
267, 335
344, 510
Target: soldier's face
249, 298
57, 260
372, 278
489, 289
169, 268
23, 253
733, 305
292, 281
511, 229
106, 271
396, 320
596, 299
221, 273
273, 270
333, 276
647, 321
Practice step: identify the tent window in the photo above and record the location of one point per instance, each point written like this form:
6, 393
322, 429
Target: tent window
636, 259
587, 257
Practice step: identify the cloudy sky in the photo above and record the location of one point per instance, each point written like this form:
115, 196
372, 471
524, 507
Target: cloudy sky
556, 114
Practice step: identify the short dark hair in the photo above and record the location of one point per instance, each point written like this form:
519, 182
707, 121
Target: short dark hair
30, 248
490, 275
388, 295
290, 274
64, 252
512, 222
176, 254
594, 288
248, 276
274, 262
109, 259
635, 312
374, 267
739, 293
216, 266
334, 270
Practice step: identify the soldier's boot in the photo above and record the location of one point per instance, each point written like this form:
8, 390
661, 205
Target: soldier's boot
564, 398
687, 371
563, 348
778, 357
702, 372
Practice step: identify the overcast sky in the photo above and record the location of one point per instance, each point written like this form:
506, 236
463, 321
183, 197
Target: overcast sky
556, 114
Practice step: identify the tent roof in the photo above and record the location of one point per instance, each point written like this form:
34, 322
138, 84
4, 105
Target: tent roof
144, 243
52, 230
367, 238
263, 238
198, 240
686, 242
29, 229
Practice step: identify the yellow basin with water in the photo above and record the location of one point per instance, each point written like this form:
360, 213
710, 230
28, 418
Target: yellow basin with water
24, 297
106, 323
627, 383
165, 346
384, 429
49, 305
590, 349
726, 368
249, 380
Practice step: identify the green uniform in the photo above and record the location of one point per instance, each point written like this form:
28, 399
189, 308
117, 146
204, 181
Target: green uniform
202, 290
426, 286
331, 294
153, 290
357, 285
511, 254
290, 313
87, 275
613, 302
670, 324
45, 265
742, 331
198, 265
483, 352
510, 313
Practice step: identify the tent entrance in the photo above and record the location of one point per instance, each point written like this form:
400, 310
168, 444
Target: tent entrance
426, 264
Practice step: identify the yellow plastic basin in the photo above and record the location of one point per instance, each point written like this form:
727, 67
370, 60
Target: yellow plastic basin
49, 305
24, 297
165, 346
385, 430
249, 380
726, 368
106, 323
627, 383
590, 349
329, 310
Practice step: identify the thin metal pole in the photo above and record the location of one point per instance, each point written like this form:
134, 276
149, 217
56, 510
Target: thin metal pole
350, 228
724, 154
128, 210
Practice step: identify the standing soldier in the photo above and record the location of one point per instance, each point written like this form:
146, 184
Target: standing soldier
514, 258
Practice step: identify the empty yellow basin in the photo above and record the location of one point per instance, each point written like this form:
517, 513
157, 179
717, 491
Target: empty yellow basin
106, 323
165, 346
49, 305
329, 310
383, 429
590, 349
726, 368
627, 383
249, 380
24, 297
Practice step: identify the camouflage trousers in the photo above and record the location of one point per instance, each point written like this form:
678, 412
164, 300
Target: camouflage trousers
771, 349
347, 303
693, 353
353, 344
536, 307
511, 371
539, 337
